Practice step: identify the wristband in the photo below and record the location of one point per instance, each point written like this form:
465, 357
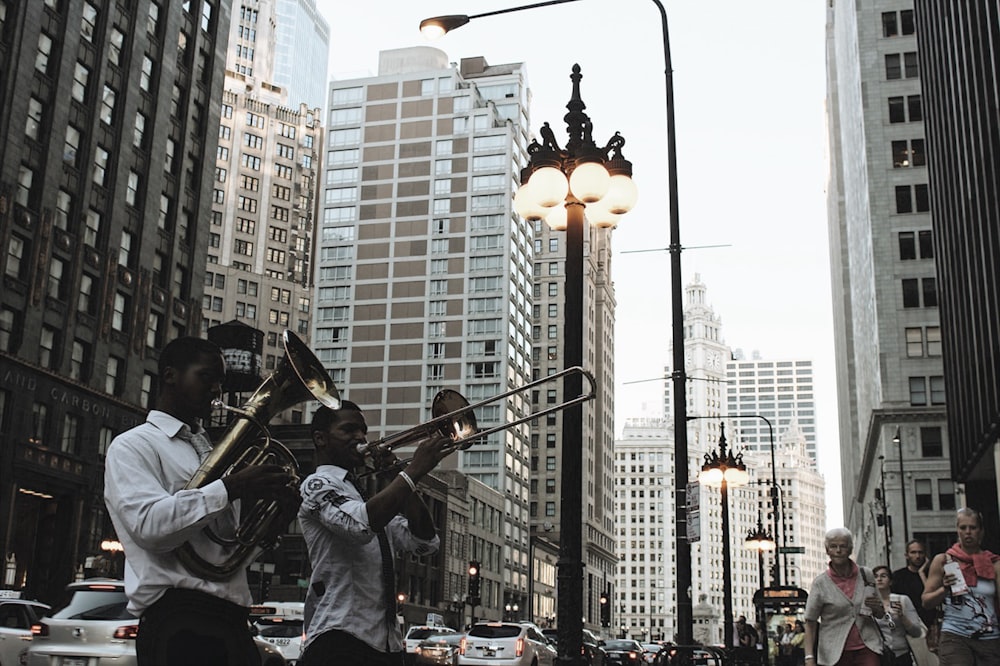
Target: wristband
809, 656
410, 482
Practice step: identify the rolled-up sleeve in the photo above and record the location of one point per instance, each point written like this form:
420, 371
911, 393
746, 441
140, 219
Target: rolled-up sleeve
402, 539
157, 516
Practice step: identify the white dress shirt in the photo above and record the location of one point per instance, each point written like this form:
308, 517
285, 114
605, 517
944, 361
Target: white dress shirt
145, 472
347, 561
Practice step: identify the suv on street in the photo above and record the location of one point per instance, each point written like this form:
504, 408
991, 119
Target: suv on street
16, 617
95, 627
507, 644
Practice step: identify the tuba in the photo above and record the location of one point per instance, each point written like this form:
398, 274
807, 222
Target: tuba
299, 376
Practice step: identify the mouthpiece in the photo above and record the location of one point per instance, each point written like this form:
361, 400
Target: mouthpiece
218, 404
363, 448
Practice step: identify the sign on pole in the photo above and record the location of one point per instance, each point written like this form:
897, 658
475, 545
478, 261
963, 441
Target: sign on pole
693, 512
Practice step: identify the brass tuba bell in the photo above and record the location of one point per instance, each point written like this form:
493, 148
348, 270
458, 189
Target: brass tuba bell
298, 377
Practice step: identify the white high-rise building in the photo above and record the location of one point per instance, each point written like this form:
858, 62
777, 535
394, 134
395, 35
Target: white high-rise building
767, 397
802, 516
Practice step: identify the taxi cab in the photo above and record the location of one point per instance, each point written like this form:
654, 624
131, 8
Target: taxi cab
280, 624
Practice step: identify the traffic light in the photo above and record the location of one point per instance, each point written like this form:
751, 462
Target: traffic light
474, 582
605, 609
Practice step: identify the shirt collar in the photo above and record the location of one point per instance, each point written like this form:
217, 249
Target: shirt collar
333, 471
168, 423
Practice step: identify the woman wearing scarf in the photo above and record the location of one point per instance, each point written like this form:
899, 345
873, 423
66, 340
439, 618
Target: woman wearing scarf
841, 602
970, 634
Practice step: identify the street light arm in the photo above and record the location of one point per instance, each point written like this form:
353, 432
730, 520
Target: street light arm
439, 25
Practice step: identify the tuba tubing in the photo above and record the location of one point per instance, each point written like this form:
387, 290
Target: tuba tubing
298, 377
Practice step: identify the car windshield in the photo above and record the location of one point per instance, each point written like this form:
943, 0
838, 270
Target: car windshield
495, 631
621, 645
90, 604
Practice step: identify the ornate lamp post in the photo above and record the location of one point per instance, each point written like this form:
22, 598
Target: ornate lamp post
722, 469
566, 186
760, 540
439, 25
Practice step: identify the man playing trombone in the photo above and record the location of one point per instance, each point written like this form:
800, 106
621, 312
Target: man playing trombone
350, 614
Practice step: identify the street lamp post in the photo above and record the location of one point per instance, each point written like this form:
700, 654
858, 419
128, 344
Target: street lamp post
761, 540
685, 609
885, 512
902, 488
722, 469
583, 178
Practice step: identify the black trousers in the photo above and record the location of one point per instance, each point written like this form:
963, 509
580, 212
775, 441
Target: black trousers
339, 648
186, 627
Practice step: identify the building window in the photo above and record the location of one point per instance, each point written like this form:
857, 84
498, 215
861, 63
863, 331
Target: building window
39, 419
46, 347
937, 390
78, 361
70, 442
908, 154
918, 391
923, 496
931, 444
946, 495
911, 293
111, 375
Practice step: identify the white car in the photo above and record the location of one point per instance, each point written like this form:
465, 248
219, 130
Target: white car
506, 644
280, 623
16, 618
417, 633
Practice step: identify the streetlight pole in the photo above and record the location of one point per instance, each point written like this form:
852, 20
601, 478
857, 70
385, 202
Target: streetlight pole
885, 513
723, 469
685, 607
581, 177
776, 502
902, 489
760, 540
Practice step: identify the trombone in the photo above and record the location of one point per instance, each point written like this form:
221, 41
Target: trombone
452, 416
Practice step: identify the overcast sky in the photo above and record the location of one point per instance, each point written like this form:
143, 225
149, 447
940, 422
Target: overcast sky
749, 88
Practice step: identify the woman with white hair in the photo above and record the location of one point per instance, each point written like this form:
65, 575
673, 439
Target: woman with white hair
842, 600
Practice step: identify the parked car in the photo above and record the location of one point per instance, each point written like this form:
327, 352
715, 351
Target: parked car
16, 618
506, 644
624, 651
439, 650
593, 646
95, 627
417, 633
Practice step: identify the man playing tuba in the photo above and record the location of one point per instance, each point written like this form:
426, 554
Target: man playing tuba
183, 619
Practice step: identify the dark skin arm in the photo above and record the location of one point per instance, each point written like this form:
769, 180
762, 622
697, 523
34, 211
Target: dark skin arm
270, 481
397, 497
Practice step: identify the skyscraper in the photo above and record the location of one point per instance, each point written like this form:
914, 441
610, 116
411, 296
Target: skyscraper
109, 117
890, 379
958, 61
302, 49
778, 392
424, 272
262, 216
